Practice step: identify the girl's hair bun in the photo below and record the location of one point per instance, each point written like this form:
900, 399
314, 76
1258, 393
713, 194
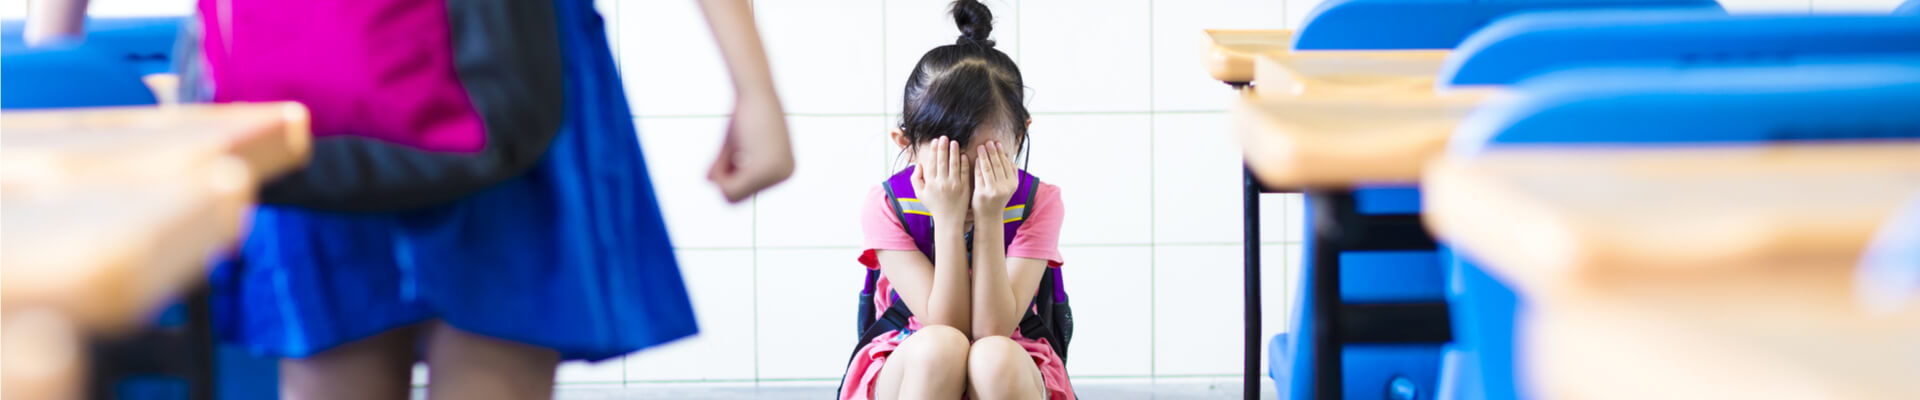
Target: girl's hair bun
975, 22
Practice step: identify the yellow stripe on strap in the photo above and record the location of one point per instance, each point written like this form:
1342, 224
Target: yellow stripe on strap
918, 212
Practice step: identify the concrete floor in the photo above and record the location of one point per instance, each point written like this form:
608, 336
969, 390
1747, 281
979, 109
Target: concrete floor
1098, 389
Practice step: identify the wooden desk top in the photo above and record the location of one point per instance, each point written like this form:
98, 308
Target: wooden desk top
109, 211
1772, 332
1698, 272
1230, 52
1338, 141
53, 147
108, 253
1347, 73
45, 356
1550, 214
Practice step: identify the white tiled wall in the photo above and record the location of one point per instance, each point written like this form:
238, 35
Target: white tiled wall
1125, 121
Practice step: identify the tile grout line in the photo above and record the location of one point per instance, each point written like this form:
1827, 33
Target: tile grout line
754, 239
1018, 29
1153, 210
884, 167
753, 242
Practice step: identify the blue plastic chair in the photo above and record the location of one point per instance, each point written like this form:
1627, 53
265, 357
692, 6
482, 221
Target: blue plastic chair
1911, 7
104, 70
1845, 99
1436, 24
1478, 360
1375, 284
1521, 46
1371, 266
1643, 46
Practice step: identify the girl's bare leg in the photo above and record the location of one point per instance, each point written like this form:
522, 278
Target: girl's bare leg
930, 364
375, 368
464, 365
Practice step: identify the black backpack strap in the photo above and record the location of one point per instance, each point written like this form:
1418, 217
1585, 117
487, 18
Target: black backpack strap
1031, 194
1040, 322
893, 201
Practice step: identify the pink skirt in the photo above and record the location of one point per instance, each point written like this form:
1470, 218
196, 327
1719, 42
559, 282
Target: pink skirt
864, 372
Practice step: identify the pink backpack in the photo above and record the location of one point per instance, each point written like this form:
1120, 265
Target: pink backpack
414, 102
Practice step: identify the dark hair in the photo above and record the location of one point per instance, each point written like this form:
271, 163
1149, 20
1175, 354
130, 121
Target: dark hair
959, 87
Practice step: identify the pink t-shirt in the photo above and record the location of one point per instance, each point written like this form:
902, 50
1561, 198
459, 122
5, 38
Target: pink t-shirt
1038, 237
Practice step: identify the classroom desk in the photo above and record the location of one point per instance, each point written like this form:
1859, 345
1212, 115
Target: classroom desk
1348, 73
107, 254
1703, 272
1333, 134
118, 143
1230, 52
1339, 142
111, 213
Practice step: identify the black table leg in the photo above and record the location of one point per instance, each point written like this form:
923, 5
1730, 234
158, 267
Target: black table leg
1251, 199
184, 352
200, 372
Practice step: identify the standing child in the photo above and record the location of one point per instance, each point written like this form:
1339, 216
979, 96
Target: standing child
966, 290
476, 196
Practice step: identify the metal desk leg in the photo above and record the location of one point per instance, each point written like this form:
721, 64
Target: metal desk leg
1251, 199
200, 371
184, 352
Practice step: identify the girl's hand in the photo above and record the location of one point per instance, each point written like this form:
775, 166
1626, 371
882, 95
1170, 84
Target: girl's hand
941, 181
994, 180
755, 153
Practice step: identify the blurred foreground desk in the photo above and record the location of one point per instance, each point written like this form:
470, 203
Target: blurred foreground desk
1691, 272
111, 213
1230, 52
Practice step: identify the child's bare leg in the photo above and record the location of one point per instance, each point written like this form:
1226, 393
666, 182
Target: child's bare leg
999, 369
464, 365
930, 364
375, 368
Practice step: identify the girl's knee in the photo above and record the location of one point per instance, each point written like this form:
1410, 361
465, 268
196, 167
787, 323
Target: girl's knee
937, 346
998, 368
997, 350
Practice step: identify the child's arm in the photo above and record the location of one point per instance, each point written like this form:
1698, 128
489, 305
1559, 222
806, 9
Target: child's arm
998, 282
50, 20
942, 287
755, 154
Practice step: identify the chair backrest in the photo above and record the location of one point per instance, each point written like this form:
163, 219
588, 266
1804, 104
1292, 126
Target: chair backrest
1433, 24
1843, 100
1522, 46
104, 69
145, 43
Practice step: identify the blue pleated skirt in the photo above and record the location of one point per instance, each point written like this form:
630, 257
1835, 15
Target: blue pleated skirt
572, 256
